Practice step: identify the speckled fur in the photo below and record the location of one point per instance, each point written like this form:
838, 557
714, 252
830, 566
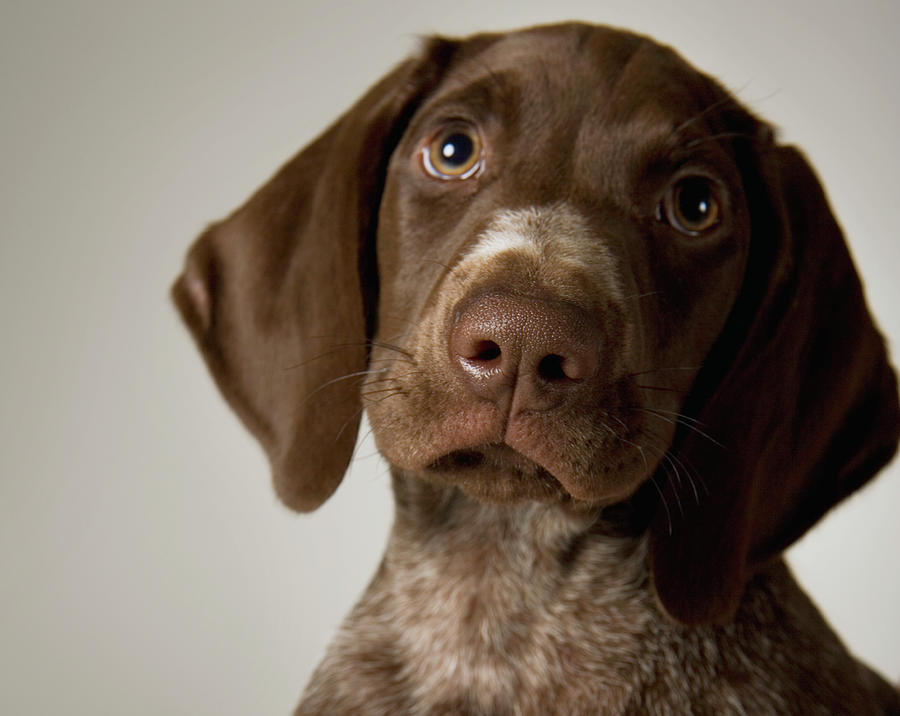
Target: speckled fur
531, 610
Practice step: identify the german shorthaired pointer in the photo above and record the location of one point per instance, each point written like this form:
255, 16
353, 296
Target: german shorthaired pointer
611, 342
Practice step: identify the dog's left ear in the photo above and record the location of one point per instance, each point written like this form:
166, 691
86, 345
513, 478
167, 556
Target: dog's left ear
280, 296
798, 390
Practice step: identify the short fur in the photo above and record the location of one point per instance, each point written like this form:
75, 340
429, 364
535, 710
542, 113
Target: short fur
603, 430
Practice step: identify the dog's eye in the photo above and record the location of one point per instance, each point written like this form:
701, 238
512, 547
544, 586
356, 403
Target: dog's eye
454, 153
691, 205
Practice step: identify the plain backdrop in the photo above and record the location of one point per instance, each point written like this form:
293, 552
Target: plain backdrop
145, 564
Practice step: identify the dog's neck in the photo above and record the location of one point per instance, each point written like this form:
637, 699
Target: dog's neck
471, 584
529, 538
539, 608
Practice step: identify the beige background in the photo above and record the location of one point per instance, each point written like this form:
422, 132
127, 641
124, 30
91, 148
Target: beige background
145, 566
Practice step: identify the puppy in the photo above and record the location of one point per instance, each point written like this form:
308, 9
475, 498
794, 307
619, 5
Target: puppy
611, 343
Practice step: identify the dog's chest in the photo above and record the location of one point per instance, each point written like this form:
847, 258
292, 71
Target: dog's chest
484, 621
528, 615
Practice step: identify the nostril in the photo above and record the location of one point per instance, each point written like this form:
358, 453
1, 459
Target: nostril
485, 351
550, 369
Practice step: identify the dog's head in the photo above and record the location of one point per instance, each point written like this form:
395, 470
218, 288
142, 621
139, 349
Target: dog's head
561, 265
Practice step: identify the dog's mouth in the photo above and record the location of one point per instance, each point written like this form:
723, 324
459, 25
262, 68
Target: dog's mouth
496, 472
493, 456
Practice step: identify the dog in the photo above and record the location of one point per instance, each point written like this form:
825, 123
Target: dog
612, 345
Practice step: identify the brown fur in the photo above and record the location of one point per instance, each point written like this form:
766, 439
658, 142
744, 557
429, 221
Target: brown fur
590, 518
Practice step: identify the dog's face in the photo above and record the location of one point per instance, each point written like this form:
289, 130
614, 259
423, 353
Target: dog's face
559, 244
558, 264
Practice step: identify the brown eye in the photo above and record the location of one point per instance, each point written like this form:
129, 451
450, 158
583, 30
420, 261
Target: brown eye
454, 153
691, 205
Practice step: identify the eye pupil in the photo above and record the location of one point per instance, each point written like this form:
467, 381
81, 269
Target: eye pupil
455, 153
692, 206
457, 149
694, 202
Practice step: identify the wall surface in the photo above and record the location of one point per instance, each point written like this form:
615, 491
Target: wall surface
145, 564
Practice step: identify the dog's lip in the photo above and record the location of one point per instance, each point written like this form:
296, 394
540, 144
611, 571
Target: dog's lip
493, 455
496, 471
479, 446
489, 461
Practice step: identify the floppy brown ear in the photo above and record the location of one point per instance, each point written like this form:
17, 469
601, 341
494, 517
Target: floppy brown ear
280, 296
798, 391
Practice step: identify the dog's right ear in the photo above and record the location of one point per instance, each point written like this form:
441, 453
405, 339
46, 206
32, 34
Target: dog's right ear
280, 297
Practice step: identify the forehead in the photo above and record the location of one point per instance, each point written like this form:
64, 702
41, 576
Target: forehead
575, 76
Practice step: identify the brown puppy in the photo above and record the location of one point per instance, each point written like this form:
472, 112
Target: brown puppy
612, 344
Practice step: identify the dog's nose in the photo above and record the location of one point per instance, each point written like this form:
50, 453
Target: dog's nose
528, 348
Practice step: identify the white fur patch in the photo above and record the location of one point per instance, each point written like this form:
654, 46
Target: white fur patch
495, 242
555, 239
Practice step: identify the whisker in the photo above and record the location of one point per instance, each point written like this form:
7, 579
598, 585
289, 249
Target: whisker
640, 449
359, 441
319, 356
342, 346
372, 383
674, 414
703, 113
656, 387
393, 394
670, 467
663, 370
662, 498
674, 458
613, 417
444, 266
693, 473
674, 418
343, 377
396, 378
387, 359
390, 347
393, 317
721, 135
638, 296
677, 483
355, 415
690, 471
367, 393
